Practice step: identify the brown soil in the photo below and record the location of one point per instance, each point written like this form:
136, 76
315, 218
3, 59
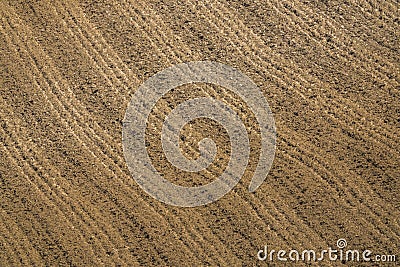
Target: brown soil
329, 70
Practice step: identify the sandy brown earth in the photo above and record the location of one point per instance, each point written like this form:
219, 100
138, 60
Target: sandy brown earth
328, 69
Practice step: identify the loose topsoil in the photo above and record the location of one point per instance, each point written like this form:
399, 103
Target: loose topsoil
329, 70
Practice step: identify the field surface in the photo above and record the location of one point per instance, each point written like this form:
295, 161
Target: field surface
330, 71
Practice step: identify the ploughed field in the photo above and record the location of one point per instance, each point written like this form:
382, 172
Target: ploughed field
68, 69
